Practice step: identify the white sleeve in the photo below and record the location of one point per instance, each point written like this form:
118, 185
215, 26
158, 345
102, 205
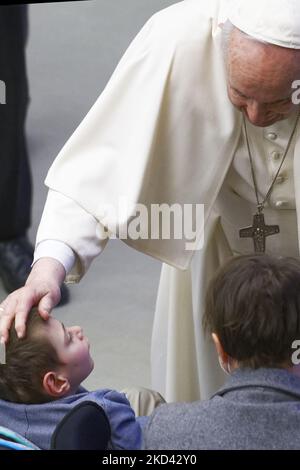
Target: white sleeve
57, 250
63, 220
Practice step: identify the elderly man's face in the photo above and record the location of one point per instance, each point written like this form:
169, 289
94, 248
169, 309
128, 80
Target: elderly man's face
260, 78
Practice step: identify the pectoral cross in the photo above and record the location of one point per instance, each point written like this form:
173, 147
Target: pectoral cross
259, 232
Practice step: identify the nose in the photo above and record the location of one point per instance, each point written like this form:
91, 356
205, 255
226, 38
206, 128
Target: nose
255, 112
77, 330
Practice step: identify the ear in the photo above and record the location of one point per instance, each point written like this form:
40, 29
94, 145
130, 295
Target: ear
56, 385
221, 353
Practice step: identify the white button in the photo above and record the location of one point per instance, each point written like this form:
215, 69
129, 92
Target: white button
276, 155
272, 135
281, 204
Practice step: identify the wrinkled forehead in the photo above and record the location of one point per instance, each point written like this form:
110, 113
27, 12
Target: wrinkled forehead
245, 48
260, 64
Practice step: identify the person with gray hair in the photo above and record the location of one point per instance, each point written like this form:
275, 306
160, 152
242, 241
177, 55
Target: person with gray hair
181, 122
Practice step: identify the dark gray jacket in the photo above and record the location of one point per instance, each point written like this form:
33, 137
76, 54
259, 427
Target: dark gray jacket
256, 409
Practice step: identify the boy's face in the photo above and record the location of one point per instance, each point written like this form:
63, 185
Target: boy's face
73, 350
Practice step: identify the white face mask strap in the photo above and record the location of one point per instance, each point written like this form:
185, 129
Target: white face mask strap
227, 370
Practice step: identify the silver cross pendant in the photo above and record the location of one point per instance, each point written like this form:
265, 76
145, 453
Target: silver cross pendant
259, 231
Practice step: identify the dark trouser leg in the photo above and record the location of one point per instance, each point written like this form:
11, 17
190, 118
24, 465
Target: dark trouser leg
15, 179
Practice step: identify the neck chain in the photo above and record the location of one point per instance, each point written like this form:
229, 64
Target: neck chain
259, 230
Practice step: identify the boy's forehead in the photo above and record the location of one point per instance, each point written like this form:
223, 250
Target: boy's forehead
53, 324
55, 330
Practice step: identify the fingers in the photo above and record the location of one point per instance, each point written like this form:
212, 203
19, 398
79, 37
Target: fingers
21, 317
17, 306
26, 299
6, 318
47, 303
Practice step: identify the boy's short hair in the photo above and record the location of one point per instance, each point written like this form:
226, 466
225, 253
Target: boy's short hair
27, 361
253, 305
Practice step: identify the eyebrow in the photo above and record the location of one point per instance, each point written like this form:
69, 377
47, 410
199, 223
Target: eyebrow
65, 333
245, 96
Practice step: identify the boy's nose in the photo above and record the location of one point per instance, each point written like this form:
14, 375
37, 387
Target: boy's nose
77, 330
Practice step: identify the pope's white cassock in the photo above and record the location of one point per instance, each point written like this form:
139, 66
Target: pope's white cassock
164, 131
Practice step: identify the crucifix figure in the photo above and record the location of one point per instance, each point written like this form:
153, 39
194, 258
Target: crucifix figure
259, 232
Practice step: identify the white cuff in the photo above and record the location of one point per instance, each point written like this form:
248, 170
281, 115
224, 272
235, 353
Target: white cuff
57, 250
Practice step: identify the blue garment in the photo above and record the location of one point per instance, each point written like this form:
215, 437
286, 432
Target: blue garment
14, 441
256, 409
37, 422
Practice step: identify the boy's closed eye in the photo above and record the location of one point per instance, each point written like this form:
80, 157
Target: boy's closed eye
71, 336
67, 334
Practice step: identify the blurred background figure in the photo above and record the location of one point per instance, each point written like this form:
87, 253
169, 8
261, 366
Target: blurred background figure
16, 252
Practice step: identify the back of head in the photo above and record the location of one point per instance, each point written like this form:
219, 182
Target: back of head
27, 361
253, 305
